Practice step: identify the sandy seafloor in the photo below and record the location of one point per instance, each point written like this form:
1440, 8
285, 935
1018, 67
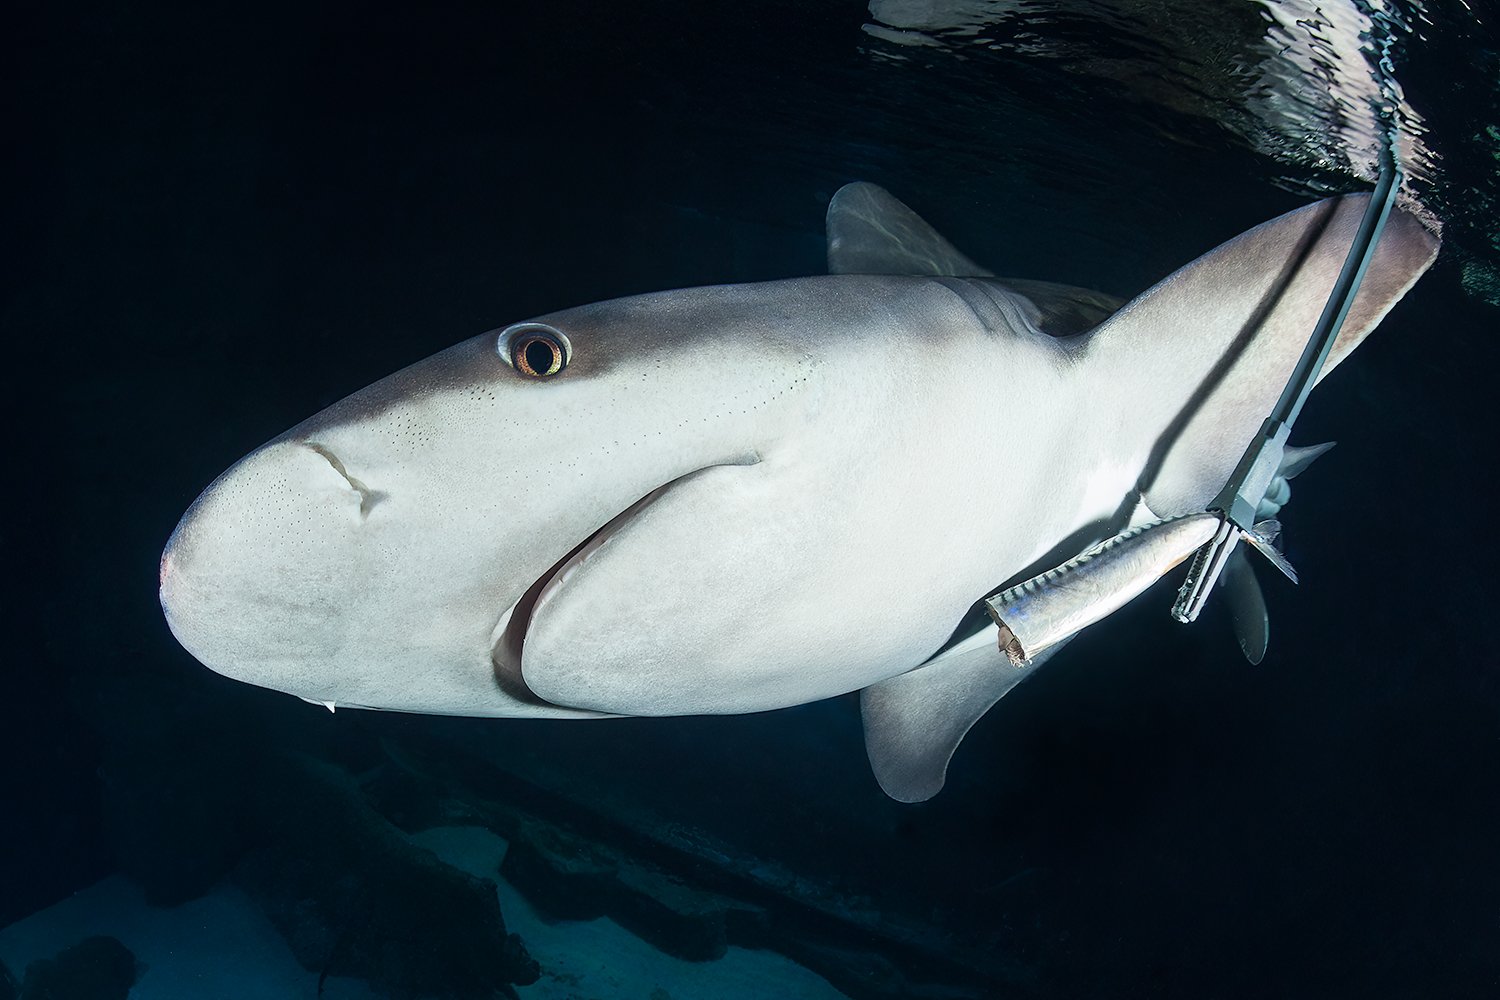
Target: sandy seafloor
221, 945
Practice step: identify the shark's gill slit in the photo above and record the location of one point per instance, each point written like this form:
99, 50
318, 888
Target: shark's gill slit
368, 498
508, 640
509, 635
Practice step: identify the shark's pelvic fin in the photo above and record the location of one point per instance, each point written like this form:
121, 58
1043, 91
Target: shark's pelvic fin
915, 721
1247, 603
1295, 460
870, 231
1247, 606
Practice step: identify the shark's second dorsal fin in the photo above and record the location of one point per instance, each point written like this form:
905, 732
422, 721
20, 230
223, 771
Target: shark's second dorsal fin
872, 232
916, 720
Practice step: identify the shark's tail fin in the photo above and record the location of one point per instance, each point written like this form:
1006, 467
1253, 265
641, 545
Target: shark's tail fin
1220, 337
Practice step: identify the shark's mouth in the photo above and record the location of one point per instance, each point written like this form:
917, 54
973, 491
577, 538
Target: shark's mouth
508, 640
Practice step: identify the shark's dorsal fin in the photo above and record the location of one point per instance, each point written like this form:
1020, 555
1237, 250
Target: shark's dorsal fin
872, 232
916, 720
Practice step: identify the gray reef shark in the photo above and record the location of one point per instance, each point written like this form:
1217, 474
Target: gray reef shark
745, 497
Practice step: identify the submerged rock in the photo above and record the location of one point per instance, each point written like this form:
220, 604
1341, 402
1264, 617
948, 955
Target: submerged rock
199, 785
579, 851
97, 968
570, 878
353, 896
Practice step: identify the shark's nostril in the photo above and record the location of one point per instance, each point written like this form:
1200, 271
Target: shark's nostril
368, 498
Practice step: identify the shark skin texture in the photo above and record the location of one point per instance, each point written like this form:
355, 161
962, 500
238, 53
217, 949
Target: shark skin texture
739, 498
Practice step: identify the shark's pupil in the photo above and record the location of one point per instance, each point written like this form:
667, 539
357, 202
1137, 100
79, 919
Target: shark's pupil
540, 357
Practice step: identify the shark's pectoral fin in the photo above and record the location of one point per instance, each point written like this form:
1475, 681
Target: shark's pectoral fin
915, 721
1247, 606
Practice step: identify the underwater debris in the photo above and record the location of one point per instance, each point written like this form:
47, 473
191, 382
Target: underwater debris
96, 968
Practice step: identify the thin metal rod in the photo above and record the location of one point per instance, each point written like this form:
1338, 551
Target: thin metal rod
1300, 384
1247, 485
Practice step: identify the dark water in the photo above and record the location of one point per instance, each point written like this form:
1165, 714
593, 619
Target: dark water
220, 224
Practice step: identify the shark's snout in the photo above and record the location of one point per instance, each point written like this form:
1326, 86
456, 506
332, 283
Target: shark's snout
345, 571
164, 570
249, 579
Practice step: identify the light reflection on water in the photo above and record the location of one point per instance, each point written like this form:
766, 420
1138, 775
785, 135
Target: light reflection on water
1308, 84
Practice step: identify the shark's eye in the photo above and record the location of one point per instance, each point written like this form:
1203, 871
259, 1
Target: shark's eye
537, 355
535, 351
